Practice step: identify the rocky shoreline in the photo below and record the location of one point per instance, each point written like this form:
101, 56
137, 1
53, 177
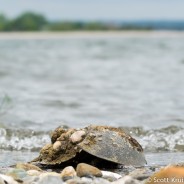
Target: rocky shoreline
25, 173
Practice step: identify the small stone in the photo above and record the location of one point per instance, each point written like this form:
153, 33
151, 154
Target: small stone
126, 180
68, 173
17, 174
136, 172
110, 176
87, 170
50, 174
100, 181
86, 180
77, 136
30, 180
7, 179
140, 174
57, 145
27, 166
33, 173
2, 181
47, 179
75, 181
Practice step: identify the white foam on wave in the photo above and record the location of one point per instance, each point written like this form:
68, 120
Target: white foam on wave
10, 140
162, 140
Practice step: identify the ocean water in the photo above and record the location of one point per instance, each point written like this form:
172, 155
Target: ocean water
135, 82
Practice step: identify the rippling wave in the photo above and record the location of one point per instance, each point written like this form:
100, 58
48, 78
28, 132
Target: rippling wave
22, 139
165, 139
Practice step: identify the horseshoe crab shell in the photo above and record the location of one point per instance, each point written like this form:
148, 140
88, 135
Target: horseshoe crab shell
102, 142
114, 145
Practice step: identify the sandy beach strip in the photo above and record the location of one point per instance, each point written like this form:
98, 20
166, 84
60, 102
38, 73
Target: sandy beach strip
89, 34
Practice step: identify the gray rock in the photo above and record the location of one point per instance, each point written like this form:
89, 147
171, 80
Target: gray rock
110, 176
140, 174
49, 179
31, 180
78, 180
85, 180
126, 180
100, 181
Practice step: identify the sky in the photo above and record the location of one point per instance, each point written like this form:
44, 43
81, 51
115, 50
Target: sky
97, 9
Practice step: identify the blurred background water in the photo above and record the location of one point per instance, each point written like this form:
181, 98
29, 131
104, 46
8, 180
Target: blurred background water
135, 82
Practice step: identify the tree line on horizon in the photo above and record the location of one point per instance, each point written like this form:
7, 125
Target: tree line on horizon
30, 21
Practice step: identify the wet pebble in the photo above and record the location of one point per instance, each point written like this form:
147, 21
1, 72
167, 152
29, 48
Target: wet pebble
77, 136
140, 174
84, 174
57, 145
85, 180
4, 179
68, 173
17, 174
94, 181
126, 180
87, 170
46, 174
47, 179
27, 166
33, 173
110, 176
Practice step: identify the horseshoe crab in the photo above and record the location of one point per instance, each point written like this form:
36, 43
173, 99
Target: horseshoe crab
102, 143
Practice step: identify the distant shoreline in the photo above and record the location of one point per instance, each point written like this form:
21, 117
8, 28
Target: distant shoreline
88, 34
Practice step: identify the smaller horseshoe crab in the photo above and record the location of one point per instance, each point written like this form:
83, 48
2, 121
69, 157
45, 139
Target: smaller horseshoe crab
93, 143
